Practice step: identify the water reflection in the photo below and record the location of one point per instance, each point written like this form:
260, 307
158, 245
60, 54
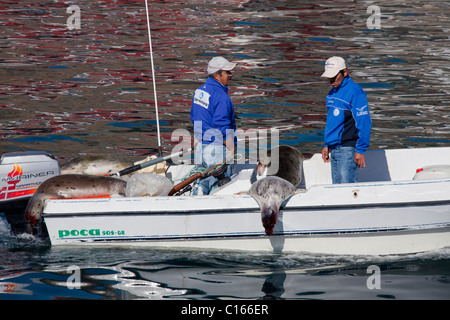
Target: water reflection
273, 286
90, 91
93, 85
31, 269
399, 280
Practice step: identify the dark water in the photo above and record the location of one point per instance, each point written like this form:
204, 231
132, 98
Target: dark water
32, 270
89, 91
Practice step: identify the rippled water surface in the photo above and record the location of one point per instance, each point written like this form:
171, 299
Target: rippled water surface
32, 270
90, 91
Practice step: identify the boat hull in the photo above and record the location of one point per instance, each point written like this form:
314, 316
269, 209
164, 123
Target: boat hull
338, 244
363, 229
387, 212
357, 243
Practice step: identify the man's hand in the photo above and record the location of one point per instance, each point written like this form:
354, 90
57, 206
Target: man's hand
326, 154
230, 146
360, 160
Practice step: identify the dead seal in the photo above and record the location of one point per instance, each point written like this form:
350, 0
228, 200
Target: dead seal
71, 186
270, 192
284, 162
98, 165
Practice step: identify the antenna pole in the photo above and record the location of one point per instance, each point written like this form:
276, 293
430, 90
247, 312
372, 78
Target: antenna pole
153, 77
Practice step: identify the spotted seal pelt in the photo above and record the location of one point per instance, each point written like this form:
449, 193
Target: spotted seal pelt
71, 186
284, 162
98, 165
270, 192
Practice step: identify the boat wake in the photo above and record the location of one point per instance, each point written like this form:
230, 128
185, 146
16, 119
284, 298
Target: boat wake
24, 241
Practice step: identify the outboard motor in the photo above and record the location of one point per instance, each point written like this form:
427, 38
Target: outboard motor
21, 173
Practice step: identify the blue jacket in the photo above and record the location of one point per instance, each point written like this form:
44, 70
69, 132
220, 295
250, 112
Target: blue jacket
212, 109
348, 118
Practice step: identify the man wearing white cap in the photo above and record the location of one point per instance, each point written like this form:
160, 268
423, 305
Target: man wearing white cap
212, 114
347, 130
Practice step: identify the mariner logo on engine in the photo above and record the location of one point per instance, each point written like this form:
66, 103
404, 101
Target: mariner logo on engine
17, 174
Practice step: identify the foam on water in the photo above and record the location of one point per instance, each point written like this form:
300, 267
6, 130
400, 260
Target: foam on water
5, 228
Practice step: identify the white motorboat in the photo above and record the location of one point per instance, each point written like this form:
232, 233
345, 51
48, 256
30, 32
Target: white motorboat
391, 210
21, 173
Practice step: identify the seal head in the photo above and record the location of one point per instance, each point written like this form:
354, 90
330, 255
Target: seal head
270, 192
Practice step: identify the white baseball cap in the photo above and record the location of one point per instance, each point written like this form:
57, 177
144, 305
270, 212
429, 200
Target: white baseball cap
333, 66
219, 63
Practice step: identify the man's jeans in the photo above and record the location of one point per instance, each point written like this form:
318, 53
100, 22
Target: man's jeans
208, 155
343, 165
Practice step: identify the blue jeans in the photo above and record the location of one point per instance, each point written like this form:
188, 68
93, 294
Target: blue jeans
343, 165
208, 155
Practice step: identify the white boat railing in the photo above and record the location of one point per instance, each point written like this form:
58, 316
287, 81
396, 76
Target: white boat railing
381, 165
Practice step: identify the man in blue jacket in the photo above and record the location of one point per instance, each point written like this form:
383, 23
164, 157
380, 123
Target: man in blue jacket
212, 115
347, 130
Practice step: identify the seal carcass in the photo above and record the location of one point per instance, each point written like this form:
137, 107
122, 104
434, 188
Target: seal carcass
284, 162
71, 186
95, 165
270, 192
